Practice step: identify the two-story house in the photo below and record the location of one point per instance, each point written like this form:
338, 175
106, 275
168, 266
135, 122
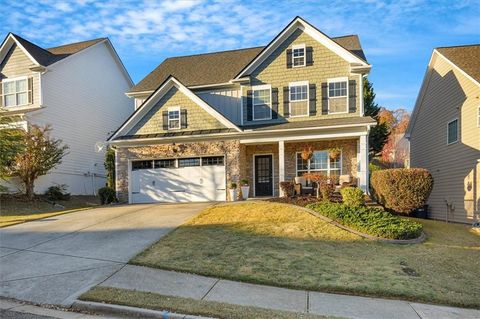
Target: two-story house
203, 121
78, 89
444, 132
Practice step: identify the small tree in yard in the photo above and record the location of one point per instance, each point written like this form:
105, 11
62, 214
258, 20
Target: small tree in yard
10, 145
40, 153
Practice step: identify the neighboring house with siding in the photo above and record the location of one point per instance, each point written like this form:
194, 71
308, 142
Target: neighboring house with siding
203, 121
76, 88
444, 132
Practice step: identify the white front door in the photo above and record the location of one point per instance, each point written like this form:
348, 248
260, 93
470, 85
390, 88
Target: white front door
178, 184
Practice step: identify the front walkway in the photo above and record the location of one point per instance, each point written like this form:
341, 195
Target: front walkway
212, 289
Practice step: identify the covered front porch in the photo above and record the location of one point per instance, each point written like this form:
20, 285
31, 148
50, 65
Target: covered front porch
267, 162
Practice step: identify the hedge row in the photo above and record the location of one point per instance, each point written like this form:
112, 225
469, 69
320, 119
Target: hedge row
370, 220
402, 190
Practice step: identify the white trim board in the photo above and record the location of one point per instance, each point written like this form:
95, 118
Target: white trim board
299, 23
158, 94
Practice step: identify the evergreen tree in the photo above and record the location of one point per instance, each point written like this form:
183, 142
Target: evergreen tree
379, 133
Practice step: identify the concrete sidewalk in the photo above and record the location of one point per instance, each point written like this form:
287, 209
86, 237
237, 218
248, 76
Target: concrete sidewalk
211, 289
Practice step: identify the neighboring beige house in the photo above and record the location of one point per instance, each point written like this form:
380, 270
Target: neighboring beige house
78, 89
203, 121
444, 132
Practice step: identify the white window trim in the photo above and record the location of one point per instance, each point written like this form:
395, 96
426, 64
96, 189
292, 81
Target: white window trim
258, 88
173, 109
13, 80
300, 46
328, 169
299, 83
458, 131
335, 80
478, 116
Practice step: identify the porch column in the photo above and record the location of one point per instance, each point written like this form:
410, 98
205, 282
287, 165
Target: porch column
362, 160
281, 164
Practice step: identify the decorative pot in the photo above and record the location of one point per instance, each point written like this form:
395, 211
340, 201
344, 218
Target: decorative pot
233, 194
307, 153
245, 191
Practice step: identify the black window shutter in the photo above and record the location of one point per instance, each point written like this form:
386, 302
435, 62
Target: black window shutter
324, 98
286, 101
312, 103
183, 119
309, 56
274, 103
289, 58
352, 96
165, 120
249, 105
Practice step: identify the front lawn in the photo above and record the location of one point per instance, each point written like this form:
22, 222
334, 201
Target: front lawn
277, 244
17, 209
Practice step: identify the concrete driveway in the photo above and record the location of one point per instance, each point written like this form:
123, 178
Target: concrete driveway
54, 260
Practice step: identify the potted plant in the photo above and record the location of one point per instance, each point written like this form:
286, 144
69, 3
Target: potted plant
233, 191
307, 153
245, 188
334, 153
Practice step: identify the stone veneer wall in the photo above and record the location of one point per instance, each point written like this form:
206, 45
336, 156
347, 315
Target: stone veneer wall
231, 149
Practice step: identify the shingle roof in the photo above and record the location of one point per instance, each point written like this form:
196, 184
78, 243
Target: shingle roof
217, 67
49, 56
311, 123
466, 57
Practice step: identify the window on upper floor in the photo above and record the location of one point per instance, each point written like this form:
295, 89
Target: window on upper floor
262, 102
298, 99
298, 55
338, 95
452, 131
15, 92
173, 118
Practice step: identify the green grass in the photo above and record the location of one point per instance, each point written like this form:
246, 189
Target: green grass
370, 220
277, 244
188, 306
17, 209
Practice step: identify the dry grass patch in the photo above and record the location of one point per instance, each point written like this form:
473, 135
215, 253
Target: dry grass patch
188, 306
277, 244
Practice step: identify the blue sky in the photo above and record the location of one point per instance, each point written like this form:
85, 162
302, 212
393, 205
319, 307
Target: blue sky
397, 36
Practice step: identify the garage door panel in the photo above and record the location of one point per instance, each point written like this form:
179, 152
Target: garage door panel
186, 184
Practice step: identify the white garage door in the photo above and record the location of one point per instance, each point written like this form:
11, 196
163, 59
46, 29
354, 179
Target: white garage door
178, 180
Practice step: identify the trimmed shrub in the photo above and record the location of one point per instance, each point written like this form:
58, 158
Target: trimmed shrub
57, 192
402, 189
353, 196
107, 195
287, 188
370, 220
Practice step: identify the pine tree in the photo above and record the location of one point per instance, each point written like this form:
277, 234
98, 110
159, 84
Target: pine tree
379, 133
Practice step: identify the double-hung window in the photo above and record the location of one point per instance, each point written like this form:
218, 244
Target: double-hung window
298, 55
338, 95
452, 132
173, 118
298, 98
262, 102
320, 163
15, 92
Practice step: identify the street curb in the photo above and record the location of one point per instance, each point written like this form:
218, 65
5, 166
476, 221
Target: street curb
129, 312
